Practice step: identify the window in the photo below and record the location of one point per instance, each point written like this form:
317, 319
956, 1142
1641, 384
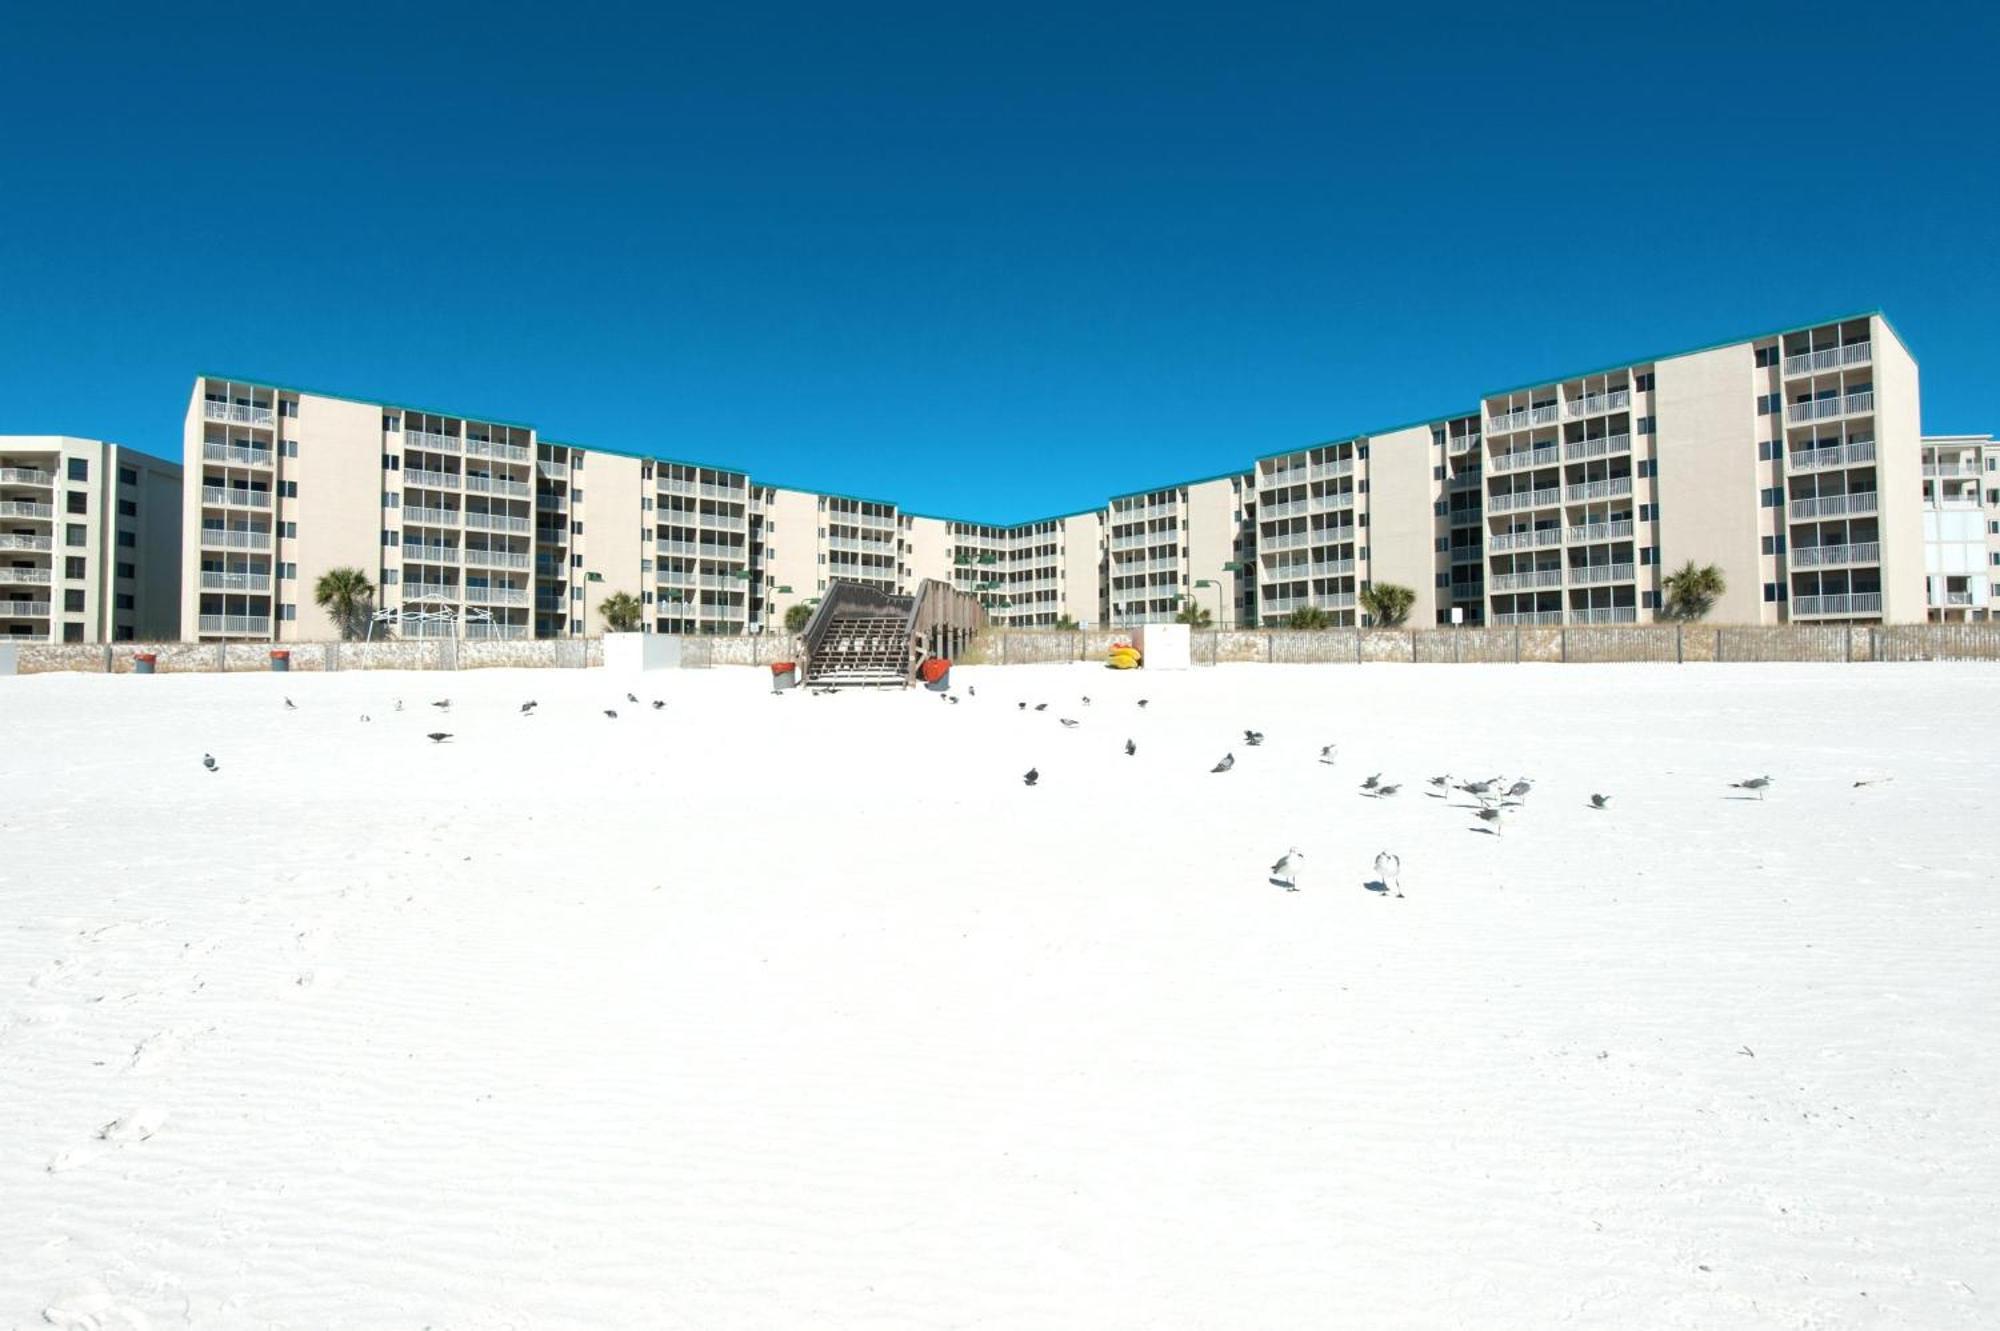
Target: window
576, 529
1766, 357
289, 489
78, 501
1770, 591
645, 505
79, 469
390, 462
127, 476
1437, 473
1647, 425
1769, 450
1646, 599
1444, 579
1769, 403
127, 540
288, 406
123, 633
1643, 383
289, 530
576, 561
123, 600
1649, 467
1773, 497
73, 600
73, 566
1438, 508
1647, 512
127, 571
288, 570
645, 534
576, 593
72, 632
290, 448
577, 494
576, 626
1649, 554
287, 611
388, 536
1774, 545
127, 509
75, 534
576, 460
391, 423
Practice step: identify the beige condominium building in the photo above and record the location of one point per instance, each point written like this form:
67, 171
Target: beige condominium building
90, 541
1789, 460
1961, 490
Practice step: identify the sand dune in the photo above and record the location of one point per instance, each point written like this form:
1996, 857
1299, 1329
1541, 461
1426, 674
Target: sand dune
803, 1011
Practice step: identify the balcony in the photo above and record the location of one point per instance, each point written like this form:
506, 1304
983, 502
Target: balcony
1602, 446
232, 496
1591, 575
1546, 455
240, 624
1289, 509
556, 471
1600, 531
1606, 489
235, 539
1326, 471
430, 591
1823, 408
1520, 499
1462, 443
1528, 617
10, 609
238, 414
1840, 455
728, 494
711, 550
1832, 358
1534, 578
1596, 404
1334, 502
1843, 603
1607, 614
238, 454
555, 605
430, 441
1820, 556
499, 485
724, 522
27, 476
430, 554
1526, 540
502, 559
1835, 506
21, 508
1945, 470
236, 582
493, 448
478, 595
497, 522
430, 480
1955, 598
430, 517
22, 541
1513, 420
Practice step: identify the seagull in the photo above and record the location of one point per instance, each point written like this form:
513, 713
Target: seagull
1130, 748
1756, 783
399, 704
632, 698
1023, 706
1519, 790
529, 706
1067, 723
1599, 801
1143, 701
208, 761
1228, 761
1383, 792
442, 704
1389, 870
438, 736
1329, 752
1873, 781
1086, 700
291, 706
1031, 777
613, 715
1479, 787
366, 717
1253, 737
1490, 816
1372, 782
1285, 873
951, 698
972, 690
1441, 782
1041, 707
658, 703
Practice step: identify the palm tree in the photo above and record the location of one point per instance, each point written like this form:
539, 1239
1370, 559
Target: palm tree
1194, 615
796, 617
1066, 622
622, 612
1387, 603
347, 597
1692, 592
1308, 617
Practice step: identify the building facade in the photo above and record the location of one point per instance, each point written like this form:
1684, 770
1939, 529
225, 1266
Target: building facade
1961, 490
90, 541
1790, 461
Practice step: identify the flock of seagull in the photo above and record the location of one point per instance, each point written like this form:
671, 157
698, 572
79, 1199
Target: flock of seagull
1496, 799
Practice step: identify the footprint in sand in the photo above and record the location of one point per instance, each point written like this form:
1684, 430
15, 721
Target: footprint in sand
317, 979
155, 1052
90, 1307
125, 1130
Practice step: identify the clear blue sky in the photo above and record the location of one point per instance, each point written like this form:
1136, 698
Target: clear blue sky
1071, 249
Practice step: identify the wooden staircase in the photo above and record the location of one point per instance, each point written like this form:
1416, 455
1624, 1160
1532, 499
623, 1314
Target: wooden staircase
863, 648
862, 636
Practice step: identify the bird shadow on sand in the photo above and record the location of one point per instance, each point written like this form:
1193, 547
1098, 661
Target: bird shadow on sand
1749, 798
1483, 831
1282, 884
1377, 886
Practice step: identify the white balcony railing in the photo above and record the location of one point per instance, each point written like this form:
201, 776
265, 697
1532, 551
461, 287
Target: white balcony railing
430, 517
1290, 508
1834, 506
499, 485
1813, 556
1546, 455
1596, 404
241, 624
231, 496
23, 541
431, 441
431, 554
1842, 603
430, 591
496, 558
1513, 420
1608, 614
1528, 617
1820, 409
1462, 443
1946, 470
430, 480
1831, 358
20, 577
236, 582
1521, 499
1607, 489
11, 609
236, 453
1533, 578
238, 414
1602, 446
1526, 540
478, 595
236, 539
497, 522
1600, 531
1840, 455
1324, 471
1589, 575
493, 448
1957, 598
21, 508
27, 476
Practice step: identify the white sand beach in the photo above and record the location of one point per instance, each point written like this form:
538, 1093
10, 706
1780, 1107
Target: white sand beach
802, 1011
